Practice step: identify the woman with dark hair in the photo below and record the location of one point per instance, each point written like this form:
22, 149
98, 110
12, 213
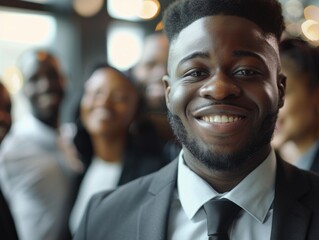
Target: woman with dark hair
106, 141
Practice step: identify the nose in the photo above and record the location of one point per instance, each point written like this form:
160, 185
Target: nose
219, 87
105, 99
43, 84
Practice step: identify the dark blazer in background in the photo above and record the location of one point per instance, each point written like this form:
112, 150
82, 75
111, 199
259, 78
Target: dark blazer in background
7, 227
140, 209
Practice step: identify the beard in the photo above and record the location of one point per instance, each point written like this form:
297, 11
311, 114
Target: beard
222, 161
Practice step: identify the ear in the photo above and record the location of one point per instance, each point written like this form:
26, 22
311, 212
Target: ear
281, 84
167, 87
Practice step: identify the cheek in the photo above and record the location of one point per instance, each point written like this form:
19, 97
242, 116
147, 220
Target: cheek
263, 98
126, 112
180, 98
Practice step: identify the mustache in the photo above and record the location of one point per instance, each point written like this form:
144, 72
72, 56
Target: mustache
210, 102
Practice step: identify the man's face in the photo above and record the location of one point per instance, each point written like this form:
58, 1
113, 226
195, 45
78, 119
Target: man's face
44, 87
223, 90
151, 69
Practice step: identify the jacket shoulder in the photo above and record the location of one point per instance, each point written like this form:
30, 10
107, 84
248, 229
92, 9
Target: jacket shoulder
122, 207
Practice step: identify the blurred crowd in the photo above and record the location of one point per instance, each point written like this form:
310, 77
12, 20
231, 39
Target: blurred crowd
50, 169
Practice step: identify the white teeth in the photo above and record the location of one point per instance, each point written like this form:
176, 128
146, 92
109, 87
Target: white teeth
220, 119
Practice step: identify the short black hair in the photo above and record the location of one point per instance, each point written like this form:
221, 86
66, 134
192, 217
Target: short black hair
267, 14
104, 65
304, 55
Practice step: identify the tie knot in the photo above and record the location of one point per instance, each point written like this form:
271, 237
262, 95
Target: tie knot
220, 215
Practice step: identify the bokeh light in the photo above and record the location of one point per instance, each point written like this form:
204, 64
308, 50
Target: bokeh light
26, 28
87, 8
124, 47
150, 9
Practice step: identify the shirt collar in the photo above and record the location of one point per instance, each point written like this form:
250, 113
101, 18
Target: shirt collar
254, 194
31, 126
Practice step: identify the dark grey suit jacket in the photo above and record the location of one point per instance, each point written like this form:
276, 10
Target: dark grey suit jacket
7, 226
139, 210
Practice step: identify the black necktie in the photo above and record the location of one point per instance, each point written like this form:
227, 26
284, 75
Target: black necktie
220, 215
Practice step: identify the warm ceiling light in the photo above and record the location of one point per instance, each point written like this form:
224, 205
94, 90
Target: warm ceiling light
26, 28
124, 47
124, 9
87, 8
150, 9
312, 12
313, 31
310, 29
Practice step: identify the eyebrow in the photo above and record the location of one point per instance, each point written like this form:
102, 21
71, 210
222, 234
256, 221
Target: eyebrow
244, 53
205, 55
194, 55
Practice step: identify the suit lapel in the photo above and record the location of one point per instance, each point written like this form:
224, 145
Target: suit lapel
153, 217
290, 217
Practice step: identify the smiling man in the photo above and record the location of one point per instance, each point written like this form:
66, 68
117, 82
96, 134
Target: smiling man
37, 175
223, 91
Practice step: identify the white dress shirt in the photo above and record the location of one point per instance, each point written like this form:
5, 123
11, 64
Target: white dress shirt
37, 180
254, 194
100, 176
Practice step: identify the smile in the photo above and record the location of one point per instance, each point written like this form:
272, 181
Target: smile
221, 118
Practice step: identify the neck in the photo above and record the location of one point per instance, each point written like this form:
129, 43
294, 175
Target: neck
52, 123
225, 180
109, 149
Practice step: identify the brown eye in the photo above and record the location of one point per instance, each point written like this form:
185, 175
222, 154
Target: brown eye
196, 73
246, 73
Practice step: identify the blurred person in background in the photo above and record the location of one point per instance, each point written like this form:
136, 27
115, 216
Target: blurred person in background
5, 112
148, 74
297, 130
106, 140
7, 227
150, 69
36, 173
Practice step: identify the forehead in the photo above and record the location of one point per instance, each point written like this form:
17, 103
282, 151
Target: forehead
222, 33
109, 78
